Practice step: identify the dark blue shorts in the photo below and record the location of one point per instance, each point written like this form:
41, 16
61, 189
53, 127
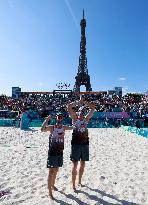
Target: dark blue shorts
79, 152
54, 161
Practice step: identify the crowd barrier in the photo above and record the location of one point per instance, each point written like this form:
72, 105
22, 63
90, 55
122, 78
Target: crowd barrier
93, 124
38, 123
98, 120
9, 122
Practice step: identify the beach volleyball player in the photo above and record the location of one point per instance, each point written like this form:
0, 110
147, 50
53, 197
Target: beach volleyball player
80, 139
56, 147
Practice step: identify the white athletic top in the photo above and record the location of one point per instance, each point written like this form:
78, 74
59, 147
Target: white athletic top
56, 141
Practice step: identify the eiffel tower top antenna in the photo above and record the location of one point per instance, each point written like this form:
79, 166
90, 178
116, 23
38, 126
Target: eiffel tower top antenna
83, 13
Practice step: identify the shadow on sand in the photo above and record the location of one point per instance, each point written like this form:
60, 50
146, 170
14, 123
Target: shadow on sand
70, 196
97, 199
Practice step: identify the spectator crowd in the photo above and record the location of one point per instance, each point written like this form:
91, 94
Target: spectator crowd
42, 105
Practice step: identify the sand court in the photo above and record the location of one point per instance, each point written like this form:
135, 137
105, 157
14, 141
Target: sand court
117, 172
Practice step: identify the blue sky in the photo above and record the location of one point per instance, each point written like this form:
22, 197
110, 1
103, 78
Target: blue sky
40, 43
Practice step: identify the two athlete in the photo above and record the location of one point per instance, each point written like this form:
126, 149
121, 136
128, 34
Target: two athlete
79, 143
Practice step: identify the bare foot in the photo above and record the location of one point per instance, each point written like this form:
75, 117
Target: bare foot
51, 196
74, 189
54, 188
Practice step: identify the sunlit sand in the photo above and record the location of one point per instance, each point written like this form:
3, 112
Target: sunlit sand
117, 172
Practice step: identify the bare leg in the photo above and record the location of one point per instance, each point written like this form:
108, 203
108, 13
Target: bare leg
81, 171
74, 174
50, 179
54, 178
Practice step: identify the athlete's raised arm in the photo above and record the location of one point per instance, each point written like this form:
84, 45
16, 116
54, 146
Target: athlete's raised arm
92, 110
70, 110
45, 127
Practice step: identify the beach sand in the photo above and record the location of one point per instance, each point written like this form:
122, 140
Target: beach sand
117, 172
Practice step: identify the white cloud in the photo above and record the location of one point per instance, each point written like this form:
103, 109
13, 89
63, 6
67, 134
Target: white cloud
122, 79
41, 84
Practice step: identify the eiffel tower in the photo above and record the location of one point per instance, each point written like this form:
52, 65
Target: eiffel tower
82, 77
